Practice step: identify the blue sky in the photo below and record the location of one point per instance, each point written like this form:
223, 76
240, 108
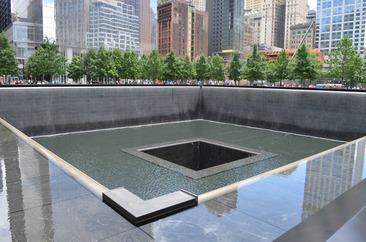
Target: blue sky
153, 5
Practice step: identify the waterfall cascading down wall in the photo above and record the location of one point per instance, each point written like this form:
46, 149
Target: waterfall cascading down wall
49, 110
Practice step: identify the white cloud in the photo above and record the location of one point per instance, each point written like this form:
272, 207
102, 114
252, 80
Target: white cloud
312, 4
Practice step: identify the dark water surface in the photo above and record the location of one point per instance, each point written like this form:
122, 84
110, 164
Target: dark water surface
99, 155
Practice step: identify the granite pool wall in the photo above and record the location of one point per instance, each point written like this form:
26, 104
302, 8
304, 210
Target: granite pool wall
49, 110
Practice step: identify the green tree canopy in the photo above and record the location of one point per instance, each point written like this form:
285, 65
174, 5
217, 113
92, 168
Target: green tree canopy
131, 65
217, 68
255, 66
361, 71
88, 63
8, 62
155, 65
75, 70
344, 61
271, 71
117, 57
47, 60
171, 66
202, 69
105, 67
234, 67
143, 64
282, 69
305, 65
187, 70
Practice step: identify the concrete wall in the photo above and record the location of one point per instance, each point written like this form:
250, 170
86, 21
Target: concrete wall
47, 110
331, 114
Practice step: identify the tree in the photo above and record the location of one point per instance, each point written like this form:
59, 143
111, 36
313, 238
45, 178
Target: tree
255, 66
171, 66
344, 61
305, 65
271, 72
8, 62
201, 67
130, 65
88, 63
117, 57
105, 67
217, 68
282, 70
47, 60
74, 69
187, 70
155, 65
144, 66
361, 71
234, 67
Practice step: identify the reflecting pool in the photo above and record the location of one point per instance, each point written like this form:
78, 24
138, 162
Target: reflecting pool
99, 154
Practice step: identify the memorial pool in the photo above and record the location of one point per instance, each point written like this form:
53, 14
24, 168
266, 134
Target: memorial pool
101, 154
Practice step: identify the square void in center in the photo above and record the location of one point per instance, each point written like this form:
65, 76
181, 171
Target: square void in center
198, 155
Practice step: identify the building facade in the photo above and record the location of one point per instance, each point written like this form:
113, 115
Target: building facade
5, 14
147, 21
248, 28
251, 28
113, 24
199, 5
182, 28
338, 18
226, 27
72, 22
304, 31
296, 13
75, 25
257, 29
31, 23
297, 33
255, 5
272, 23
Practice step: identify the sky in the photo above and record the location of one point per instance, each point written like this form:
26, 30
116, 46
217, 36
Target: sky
312, 4
153, 5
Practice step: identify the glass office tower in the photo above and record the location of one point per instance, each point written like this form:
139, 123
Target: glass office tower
338, 18
5, 14
233, 25
114, 25
78, 24
226, 27
32, 21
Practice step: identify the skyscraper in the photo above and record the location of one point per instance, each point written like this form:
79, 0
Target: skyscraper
272, 23
298, 32
5, 14
147, 21
255, 5
226, 26
114, 24
338, 18
296, 12
199, 5
78, 24
32, 22
72, 22
182, 28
